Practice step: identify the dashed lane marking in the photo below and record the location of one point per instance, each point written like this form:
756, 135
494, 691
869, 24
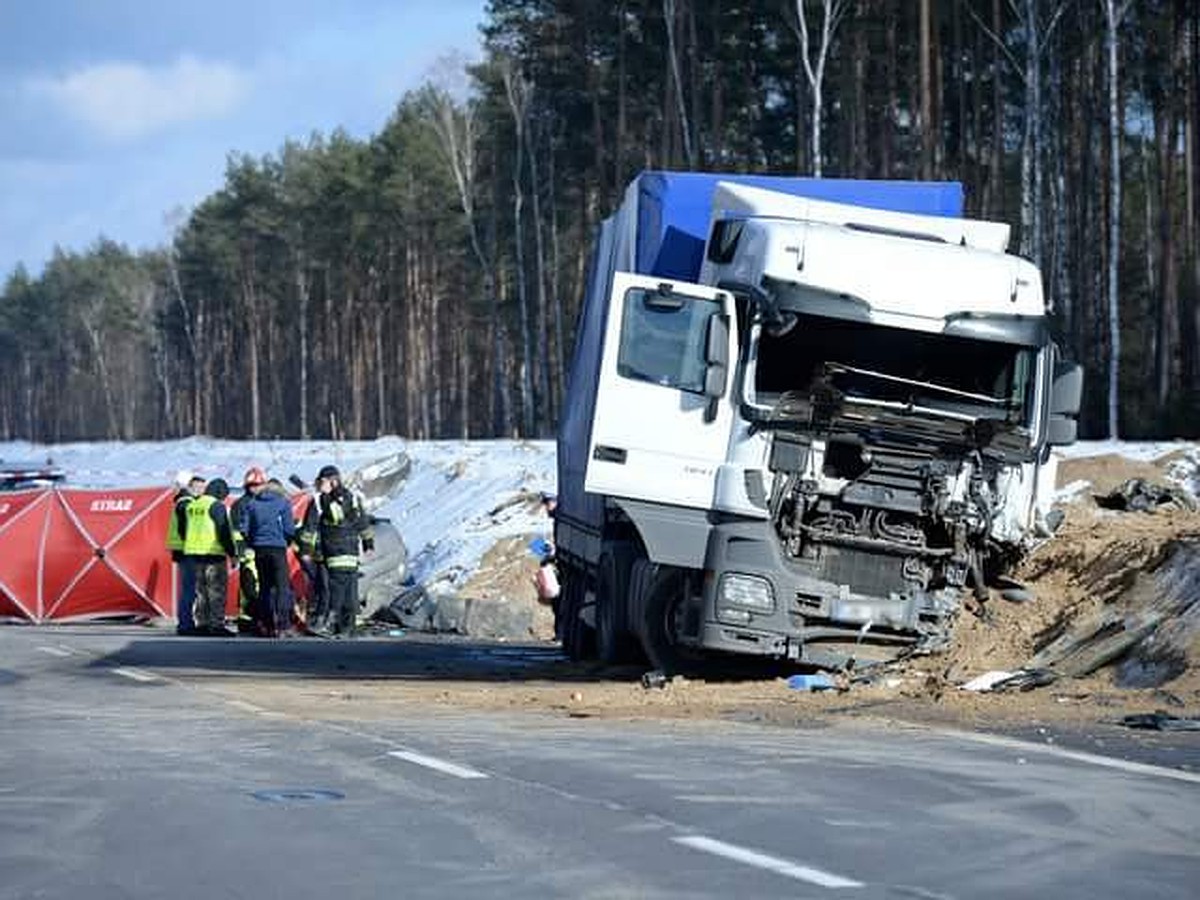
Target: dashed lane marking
438, 765
56, 651
774, 864
136, 675
244, 706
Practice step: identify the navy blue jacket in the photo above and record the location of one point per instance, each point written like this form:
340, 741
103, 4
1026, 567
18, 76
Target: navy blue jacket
266, 521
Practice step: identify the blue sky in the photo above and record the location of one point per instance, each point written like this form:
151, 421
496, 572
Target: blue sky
116, 114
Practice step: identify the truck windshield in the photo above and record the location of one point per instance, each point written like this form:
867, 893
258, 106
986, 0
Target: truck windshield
984, 379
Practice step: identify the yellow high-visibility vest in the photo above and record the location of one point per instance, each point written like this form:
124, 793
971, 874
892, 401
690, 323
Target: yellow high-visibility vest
201, 538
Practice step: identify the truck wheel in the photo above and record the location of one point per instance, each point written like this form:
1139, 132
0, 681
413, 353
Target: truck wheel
662, 604
614, 644
578, 640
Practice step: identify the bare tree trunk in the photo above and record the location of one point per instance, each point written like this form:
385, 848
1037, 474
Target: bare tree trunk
1168, 323
926, 112
555, 292
671, 18
996, 157
517, 90
1060, 276
859, 143
1029, 143
97, 341
1190, 317
1111, 24
250, 301
814, 70
716, 116
302, 295
890, 114
618, 161
542, 350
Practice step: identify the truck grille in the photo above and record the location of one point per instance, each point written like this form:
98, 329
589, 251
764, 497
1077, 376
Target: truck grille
874, 574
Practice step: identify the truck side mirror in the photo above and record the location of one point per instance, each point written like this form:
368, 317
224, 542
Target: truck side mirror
716, 356
1061, 431
1066, 394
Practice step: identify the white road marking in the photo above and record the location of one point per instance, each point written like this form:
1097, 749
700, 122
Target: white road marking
56, 651
774, 864
438, 765
1094, 759
136, 675
243, 705
735, 799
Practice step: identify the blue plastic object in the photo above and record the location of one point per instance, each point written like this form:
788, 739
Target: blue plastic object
817, 682
541, 547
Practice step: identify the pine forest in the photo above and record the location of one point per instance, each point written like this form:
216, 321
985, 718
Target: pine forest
425, 281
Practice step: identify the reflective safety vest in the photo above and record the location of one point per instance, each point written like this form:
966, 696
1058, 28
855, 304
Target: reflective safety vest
174, 539
201, 538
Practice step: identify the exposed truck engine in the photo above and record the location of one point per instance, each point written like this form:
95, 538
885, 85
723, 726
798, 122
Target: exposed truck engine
810, 448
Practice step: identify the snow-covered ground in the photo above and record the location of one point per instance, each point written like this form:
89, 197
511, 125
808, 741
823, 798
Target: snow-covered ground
459, 497
456, 503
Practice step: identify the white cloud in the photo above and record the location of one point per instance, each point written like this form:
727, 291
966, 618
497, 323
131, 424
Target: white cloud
124, 101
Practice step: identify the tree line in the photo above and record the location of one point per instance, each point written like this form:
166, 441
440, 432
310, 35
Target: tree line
425, 280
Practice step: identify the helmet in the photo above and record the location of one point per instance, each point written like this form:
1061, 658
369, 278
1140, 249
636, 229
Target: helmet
329, 472
183, 477
254, 477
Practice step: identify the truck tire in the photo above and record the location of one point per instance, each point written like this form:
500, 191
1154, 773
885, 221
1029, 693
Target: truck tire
578, 640
614, 644
661, 602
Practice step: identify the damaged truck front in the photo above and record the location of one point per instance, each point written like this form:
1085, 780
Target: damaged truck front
810, 448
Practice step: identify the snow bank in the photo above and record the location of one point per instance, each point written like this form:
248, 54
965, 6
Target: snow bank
1184, 471
460, 498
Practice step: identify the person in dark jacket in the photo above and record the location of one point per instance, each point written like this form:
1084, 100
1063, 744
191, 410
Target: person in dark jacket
341, 526
267, 528
208, 543
251, 619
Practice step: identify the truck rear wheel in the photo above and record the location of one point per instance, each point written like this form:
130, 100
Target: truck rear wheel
614, 644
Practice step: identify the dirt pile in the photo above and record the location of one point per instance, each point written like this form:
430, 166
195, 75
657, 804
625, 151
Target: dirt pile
1101, 589
505, 581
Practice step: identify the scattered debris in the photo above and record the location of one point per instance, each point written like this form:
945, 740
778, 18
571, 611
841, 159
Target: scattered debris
987, 680
816, 682
1140, 495
1026, 680
1160, 721
655, 680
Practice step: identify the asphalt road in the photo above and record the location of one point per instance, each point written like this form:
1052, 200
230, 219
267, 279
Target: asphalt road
125, 774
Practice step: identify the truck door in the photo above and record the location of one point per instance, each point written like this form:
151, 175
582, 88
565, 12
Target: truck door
662, 422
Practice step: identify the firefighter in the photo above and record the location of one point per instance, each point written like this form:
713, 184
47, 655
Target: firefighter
266, 525
317, 613
187, 488
337, 526
208, 543
250, 616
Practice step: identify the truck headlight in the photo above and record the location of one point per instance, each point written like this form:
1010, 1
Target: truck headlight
746, 592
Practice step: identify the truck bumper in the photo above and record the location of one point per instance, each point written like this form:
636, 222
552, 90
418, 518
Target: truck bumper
813, 620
